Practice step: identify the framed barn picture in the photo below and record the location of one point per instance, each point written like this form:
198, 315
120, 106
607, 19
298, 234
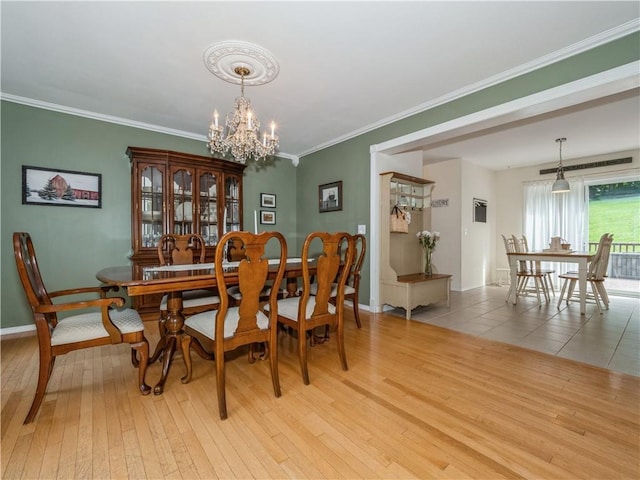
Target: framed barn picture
61, 188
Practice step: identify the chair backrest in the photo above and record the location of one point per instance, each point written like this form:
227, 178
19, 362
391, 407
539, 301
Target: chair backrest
332, 266
235, 250
251, 276
29, 272
600, 262
596, 257
360, 245
174, 249
509, 244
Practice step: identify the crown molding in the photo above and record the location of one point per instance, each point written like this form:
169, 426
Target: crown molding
567, 52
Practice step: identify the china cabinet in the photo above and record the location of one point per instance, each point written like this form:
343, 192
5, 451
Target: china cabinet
403, 282
174, 192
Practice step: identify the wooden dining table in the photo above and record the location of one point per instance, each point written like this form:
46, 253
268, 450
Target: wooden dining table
175, 279
559, 256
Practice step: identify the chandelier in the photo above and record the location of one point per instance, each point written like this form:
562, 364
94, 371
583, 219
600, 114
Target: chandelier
243, 138
560, 185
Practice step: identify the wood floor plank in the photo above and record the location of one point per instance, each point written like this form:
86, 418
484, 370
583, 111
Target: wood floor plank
418, 401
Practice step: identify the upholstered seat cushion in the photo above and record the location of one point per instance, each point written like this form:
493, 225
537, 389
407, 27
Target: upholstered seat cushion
288, 307
193, 298
205, 322
348, 289
88, 326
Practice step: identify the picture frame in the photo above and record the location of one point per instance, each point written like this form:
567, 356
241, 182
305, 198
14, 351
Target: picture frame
479, 210
268, 200
267, 217
330, 197
61, 188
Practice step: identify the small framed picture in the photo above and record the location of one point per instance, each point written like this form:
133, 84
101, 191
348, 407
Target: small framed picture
62, 188
479, 210
330, 197
267, 200
267, 217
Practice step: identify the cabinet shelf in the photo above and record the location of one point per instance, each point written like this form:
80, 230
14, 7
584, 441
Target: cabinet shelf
173, 192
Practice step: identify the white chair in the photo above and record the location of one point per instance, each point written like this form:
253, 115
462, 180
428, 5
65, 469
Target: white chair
595, 277
522, 245
525, 274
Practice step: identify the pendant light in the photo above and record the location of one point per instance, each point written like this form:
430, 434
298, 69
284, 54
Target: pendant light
560, 185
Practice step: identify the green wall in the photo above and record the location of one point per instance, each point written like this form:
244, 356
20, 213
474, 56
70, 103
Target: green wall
74, 243
349, 160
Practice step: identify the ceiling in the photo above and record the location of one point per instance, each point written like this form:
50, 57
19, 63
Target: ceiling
345, 67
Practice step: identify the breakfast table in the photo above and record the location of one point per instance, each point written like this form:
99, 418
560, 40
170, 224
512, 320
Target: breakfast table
582, 259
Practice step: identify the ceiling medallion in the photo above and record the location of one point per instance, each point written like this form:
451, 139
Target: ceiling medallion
223, 58
244, 64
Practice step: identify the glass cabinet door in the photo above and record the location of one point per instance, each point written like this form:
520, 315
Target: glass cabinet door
232, 220
208, 208
151, 206
182, 201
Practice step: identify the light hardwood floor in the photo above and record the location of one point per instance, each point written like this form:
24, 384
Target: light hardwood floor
418, 401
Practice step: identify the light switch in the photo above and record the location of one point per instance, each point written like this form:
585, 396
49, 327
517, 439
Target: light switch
362, 229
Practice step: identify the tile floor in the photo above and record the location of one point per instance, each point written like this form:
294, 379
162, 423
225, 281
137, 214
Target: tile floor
610, 340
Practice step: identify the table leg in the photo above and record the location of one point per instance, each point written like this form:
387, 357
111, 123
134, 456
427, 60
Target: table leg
292, 287
582, 284
513, 273
173, 337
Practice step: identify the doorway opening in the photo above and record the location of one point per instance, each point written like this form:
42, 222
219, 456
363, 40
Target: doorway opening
614, 207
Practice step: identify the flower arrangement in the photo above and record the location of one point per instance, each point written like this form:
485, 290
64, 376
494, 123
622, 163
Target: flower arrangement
428, 240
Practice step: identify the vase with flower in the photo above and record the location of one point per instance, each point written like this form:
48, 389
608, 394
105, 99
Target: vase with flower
428, 242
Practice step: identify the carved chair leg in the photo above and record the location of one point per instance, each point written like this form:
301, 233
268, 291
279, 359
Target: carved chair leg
134, 358
186, 354
222, 398
142, 348
341, 351
272, 349
44, 373
356, 310
302, 355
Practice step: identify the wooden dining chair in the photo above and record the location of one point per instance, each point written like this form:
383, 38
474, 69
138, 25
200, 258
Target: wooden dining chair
96, 324
235, 253
352, 287
306, 312
596, 274
231, 327
174, 249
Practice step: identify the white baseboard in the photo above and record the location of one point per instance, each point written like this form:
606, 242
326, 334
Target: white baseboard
14, 330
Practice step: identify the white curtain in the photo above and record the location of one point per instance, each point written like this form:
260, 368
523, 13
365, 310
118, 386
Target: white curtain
549, 215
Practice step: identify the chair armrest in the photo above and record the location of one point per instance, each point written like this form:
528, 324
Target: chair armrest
64, 307
101, 290
103, 303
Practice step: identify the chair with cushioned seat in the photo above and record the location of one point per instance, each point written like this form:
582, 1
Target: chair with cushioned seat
306, 312
352, 287
232, 326
97, 324
176, 249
